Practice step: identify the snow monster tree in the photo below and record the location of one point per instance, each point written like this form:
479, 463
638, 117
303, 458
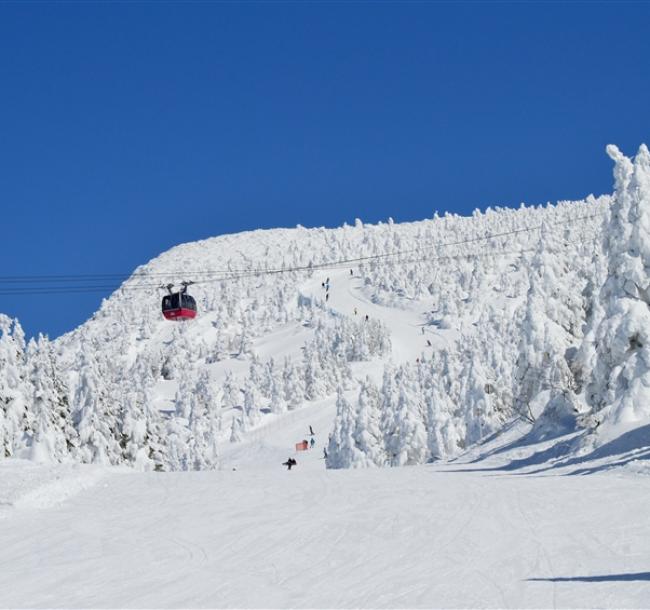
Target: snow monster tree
616, 352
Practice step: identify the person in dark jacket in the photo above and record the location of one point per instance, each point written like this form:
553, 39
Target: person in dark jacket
289, 463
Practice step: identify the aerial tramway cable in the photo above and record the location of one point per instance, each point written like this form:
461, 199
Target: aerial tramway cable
58, 284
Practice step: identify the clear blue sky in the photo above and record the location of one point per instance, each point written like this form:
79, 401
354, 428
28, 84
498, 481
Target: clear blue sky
127, 128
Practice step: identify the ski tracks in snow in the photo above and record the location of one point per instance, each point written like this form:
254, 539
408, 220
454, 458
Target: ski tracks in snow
540, 547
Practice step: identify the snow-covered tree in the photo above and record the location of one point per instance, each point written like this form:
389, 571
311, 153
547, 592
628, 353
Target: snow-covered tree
93, 416
53, 434
341, 449
14, 389
617, 347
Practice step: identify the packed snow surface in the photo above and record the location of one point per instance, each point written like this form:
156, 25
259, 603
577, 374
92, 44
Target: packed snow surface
255, 535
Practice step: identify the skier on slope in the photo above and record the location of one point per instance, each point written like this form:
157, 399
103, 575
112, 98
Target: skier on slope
311, 430
289, 463
312, 442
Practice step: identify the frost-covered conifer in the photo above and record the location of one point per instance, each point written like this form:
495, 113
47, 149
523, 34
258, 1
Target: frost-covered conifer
294, 385
53, 434
14, 389
93, 417
252, 413
231, 393
617, 348
315, 387
278, 403
409, 443
367, 433
341, 449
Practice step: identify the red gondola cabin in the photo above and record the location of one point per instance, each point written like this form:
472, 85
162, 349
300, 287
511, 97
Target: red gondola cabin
178, 306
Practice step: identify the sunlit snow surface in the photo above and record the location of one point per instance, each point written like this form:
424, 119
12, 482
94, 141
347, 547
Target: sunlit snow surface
474, 533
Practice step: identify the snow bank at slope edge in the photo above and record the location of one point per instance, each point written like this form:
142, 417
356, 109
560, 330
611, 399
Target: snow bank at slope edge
28, 485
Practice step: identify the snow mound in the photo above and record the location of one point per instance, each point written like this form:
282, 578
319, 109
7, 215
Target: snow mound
28, 485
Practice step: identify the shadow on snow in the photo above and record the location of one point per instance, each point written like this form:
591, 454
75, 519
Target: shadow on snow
600, 578
630, 446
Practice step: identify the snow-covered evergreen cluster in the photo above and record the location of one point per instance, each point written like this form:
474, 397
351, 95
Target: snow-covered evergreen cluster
571, 354
429, 336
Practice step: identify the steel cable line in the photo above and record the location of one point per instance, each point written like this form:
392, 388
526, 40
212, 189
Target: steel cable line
227, 273
335, 265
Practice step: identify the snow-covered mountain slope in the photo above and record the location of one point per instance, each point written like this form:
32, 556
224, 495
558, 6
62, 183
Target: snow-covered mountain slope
407, 342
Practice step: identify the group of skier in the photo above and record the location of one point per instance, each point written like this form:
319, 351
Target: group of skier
326, 285
312, 441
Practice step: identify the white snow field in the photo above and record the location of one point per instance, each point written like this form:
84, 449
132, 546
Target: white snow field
480, 386
437, 536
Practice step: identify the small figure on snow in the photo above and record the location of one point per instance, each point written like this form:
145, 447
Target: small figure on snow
324, 453
355, 311
366, 317
312, 442
423, 330
327, 297
429, 342
289, 463
351, 272
311, 430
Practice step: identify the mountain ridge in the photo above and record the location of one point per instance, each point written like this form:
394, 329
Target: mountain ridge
428, 336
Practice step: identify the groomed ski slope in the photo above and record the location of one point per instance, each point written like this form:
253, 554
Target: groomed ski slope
457, 535
408, 331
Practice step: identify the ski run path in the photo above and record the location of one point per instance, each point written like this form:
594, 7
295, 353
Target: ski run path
430, 536
504, 531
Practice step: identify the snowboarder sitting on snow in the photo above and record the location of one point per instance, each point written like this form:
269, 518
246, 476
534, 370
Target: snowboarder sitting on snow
289, 463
